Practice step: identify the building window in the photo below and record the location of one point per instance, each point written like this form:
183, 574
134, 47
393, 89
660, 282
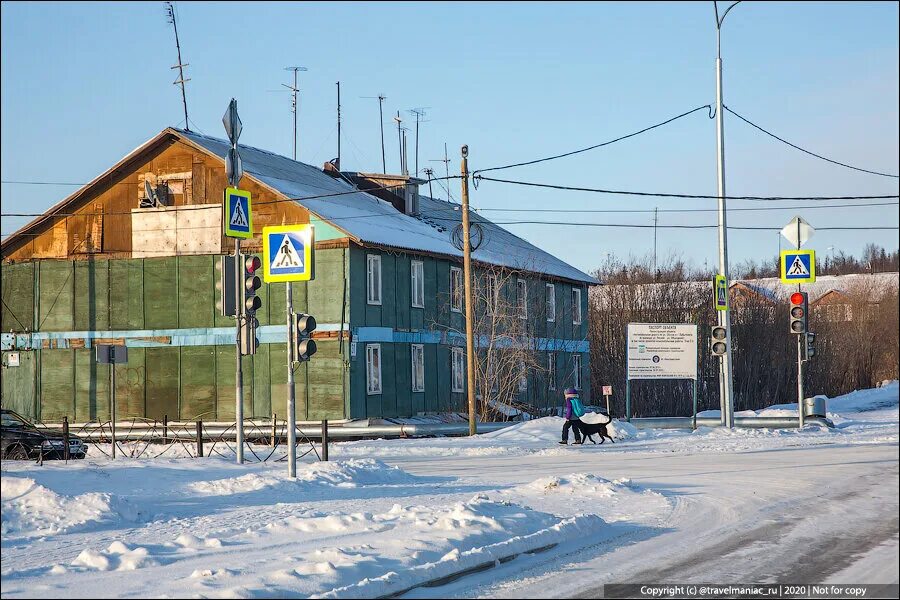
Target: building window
458, 369
523, 376
522, 298
493, 292
576, 306
417, 284
551, 370
373, 368
418, 367
456, 291
551, 303
373, 279
576, 371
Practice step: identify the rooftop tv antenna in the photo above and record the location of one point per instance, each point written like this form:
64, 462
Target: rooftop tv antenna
446, 161
170, 14
381, 99
294, 89
399, 138
419, 112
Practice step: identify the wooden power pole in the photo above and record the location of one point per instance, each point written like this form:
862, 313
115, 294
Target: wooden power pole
467, 274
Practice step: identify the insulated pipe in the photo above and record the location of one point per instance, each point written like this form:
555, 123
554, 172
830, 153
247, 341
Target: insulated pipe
748, 422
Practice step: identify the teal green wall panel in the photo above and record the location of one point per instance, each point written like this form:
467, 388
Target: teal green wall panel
17, 308
57, 380
91, 295
198, 382
56, 288
162, 369
18, 384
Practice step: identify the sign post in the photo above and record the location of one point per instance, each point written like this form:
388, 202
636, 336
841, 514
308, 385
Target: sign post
607, 392
237, 221
798, 266
289, 255
111, 355
661, 351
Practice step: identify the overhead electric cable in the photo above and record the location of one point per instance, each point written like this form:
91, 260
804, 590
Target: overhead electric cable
784, 141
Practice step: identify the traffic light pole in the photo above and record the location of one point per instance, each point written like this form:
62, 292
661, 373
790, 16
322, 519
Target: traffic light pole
291, 406
801, 341
239, 315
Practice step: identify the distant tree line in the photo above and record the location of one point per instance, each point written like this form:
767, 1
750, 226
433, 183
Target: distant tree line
856, 350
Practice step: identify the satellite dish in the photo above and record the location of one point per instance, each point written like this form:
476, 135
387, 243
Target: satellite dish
151, 199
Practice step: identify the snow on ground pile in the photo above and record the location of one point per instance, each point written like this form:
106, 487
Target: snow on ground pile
32, 510
343, 474
548, 430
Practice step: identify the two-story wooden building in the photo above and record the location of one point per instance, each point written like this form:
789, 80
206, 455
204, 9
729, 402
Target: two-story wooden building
131, 259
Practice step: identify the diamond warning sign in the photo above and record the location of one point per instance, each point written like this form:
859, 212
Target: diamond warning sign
288, 253
798, 266
238, 218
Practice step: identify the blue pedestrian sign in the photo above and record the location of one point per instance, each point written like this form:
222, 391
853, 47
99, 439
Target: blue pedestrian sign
798, 266
289, 253
237, 216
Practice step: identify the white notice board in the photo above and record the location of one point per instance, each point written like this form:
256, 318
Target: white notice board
662, 351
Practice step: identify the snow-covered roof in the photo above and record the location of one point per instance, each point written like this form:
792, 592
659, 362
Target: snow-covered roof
370, 220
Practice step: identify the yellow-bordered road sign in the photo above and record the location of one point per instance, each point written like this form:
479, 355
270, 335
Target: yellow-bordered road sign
237, 215
720, 292
289, 253
798, 266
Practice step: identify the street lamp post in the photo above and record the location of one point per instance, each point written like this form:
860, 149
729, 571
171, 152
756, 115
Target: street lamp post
726, 376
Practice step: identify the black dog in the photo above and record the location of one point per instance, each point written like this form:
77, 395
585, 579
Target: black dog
589, 429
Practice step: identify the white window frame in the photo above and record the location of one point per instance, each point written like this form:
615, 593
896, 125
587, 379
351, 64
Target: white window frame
373, 367
576, 306
551, 371
576, 371
373, 279
417, 358
550, 291
457, 295
522, 299
457, 369
417, 284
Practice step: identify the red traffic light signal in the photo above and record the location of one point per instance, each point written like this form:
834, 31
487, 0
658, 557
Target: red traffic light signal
252, 264
799, 309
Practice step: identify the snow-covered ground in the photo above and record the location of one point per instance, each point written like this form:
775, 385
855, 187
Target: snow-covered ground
386, 516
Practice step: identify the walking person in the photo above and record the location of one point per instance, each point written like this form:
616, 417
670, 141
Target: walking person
573, 413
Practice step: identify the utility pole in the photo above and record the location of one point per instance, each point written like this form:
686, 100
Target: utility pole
294, 91
467, 274
655, 222
381, 99
170, 13
338, 165
430, 173
724, 316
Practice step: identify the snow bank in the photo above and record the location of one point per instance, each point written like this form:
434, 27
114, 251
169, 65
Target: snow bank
548, 430
32, 510
342, 474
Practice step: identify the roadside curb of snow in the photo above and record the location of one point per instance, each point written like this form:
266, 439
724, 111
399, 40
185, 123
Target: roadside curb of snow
457, 564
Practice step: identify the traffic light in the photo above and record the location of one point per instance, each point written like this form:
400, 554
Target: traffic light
252, 282
799, 310
719, 342
249, 341
225, 284
810, 345
302, 326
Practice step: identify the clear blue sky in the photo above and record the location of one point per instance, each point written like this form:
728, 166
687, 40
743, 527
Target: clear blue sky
85, 83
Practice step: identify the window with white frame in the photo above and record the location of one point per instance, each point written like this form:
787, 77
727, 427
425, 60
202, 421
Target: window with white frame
551, 302
576, 306
576, 371
493, 292
458, 360
417, 284
418, 367
523, 376
373, 279
456, 291
522, 298
551, 370
373, 368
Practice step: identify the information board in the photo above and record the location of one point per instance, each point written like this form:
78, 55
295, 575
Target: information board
662, 351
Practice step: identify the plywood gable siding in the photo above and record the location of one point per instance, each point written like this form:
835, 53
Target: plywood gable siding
99, 222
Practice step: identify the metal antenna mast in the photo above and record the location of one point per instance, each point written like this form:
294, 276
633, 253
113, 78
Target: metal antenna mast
339, 125
294, 89
419, 112
446, 161
381, 99
399, 138
170, 13
430, 173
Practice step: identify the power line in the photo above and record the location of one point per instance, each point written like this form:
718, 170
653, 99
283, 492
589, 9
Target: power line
670, 195
683, 210
651, 225
784, 141
595, 146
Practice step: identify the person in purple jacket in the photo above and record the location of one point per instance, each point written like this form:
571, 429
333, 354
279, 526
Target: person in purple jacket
572, 413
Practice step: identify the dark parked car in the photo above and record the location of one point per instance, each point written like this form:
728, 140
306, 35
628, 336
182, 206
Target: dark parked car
23, 441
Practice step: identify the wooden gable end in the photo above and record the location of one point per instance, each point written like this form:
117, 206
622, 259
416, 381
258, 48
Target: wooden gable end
98, 220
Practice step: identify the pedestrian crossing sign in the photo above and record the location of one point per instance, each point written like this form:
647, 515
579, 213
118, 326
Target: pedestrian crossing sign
798, 266
237, 216
289, 253
720, 287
